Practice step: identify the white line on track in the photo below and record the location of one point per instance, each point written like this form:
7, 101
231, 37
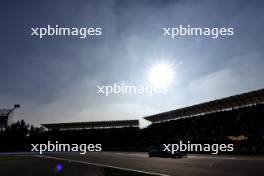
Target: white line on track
212, 157
132, 154
101, 165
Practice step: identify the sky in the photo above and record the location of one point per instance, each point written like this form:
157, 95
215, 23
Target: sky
55, 79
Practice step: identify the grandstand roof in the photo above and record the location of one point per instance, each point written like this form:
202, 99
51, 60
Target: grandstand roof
95, 124
245, 99
4, 112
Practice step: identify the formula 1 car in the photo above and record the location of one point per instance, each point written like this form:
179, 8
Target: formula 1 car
165, 154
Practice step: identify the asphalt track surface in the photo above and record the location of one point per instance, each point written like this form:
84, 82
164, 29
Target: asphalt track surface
192, 166
35, 166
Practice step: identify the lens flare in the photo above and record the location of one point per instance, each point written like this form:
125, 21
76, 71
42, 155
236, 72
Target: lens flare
59, 167
161, 75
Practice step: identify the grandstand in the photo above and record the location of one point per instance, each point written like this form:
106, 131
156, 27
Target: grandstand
92, 125
229, 103
6, 116
236, 119
113, 135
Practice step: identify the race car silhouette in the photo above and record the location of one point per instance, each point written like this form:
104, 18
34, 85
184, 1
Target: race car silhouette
158, 152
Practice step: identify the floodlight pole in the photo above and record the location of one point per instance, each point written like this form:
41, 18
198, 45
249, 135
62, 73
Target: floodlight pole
11, 110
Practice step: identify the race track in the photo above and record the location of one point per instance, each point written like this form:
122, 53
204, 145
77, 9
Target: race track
192, 166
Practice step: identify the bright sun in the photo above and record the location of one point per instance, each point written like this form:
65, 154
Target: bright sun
161, 75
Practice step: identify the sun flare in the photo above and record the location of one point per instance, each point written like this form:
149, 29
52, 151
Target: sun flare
161, 75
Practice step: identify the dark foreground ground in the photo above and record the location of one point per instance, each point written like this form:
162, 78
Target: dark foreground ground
17, 165
114, 163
